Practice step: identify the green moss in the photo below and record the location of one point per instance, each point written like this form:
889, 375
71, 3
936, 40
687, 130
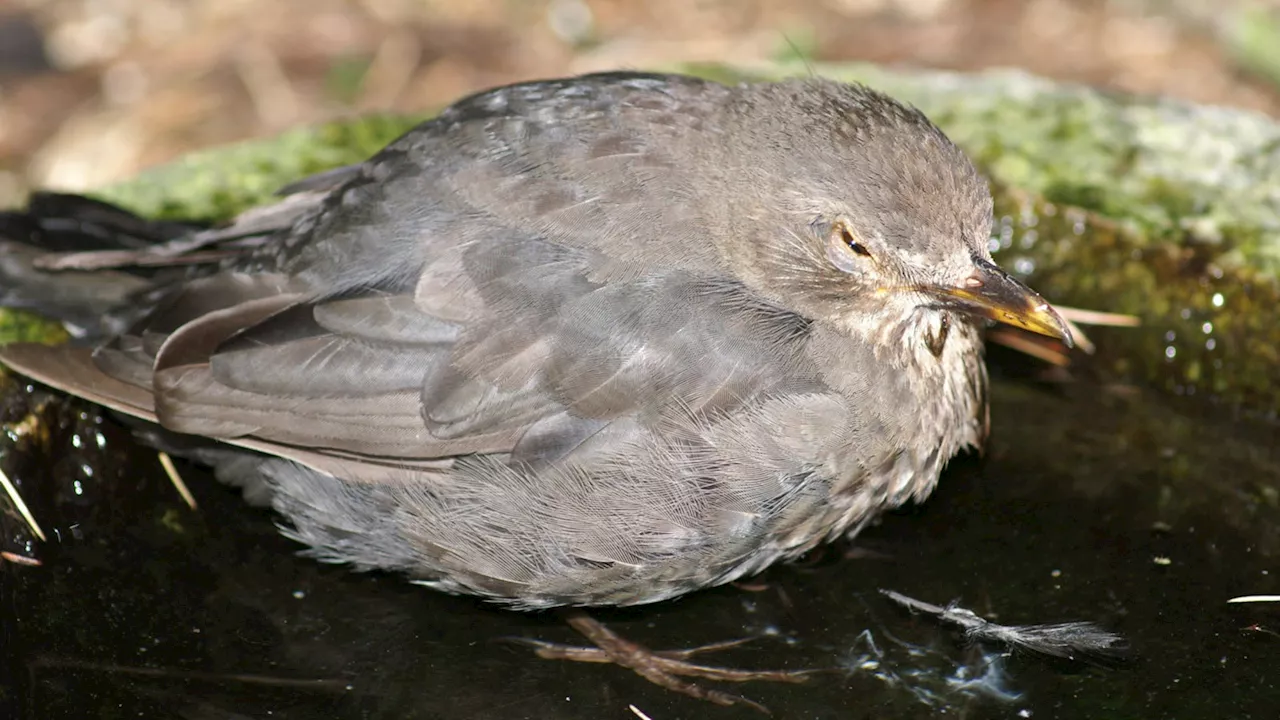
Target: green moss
1209, 326
19, 326
217, 183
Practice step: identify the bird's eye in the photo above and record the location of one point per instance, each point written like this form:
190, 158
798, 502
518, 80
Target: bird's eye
845, 250
850, 241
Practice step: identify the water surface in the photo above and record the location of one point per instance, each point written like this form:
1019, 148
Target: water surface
1141, 514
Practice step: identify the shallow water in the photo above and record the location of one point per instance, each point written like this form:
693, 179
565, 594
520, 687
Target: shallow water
1093, 504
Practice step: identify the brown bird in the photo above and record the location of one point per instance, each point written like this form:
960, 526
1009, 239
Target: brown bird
595, 341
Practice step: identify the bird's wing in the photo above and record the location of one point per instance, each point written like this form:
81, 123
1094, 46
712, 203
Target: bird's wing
469, 291
551, 360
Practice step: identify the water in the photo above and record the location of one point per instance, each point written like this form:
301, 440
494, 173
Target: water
1142, 514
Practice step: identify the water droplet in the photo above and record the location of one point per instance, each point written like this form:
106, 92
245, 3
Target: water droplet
1170, 336
1024, 266
1210, 344
1185, 314
1170, 352
1217, 300
1207, 328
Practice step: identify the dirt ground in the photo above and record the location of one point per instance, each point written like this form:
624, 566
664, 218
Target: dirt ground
93, 90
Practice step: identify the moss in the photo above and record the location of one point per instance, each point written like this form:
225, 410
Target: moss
217, 183
1209, 325
19, 326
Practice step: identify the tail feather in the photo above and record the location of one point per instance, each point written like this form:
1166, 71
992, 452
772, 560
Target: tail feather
55, 223
92, 265
64, 222
78, 300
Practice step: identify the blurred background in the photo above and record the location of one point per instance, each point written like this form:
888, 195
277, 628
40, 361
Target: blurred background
91, 91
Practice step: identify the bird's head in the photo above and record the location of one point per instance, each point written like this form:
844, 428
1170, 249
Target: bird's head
878, 216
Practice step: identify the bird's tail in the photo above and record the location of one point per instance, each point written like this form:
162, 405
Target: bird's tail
36, 241
97, 267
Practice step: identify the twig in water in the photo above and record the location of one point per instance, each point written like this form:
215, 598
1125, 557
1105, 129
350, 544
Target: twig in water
19, 559
166, 462
21, 506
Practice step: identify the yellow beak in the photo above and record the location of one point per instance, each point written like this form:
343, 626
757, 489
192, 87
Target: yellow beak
993, 293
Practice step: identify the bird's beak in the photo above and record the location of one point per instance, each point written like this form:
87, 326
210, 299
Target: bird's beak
992, 293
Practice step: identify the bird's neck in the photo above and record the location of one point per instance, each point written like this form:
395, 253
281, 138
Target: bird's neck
935, 361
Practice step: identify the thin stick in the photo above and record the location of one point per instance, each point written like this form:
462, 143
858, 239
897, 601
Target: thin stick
1075, 317
167, 463
19, 559
22, 507
1095, 317
1022, 344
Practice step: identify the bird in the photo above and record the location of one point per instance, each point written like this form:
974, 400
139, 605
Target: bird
600, 340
